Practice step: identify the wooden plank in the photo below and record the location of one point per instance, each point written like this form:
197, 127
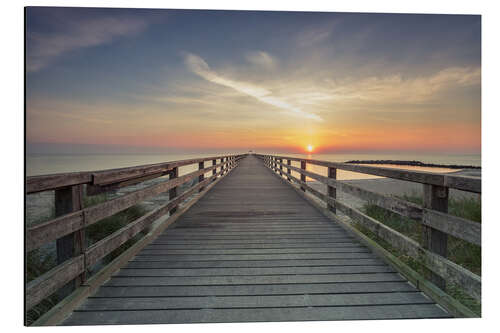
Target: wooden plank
351, 249
68, 200
268, 301
453, 225
302, 175
469, 184
251, 246
98, 189
258, 315
253, 290
48, 283
278, 233
314, 270
369, 260
239, 280
55, 181
239, 257
280, 241
267, 238
201, 166
332, 191
436, 198
43, 233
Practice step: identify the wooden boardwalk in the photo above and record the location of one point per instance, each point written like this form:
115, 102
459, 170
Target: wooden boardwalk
252, 249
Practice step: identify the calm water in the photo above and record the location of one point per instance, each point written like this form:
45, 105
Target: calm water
47, 164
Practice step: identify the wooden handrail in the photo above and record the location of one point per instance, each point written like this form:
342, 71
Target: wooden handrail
438, 223
76, 221
464, 183
106, 177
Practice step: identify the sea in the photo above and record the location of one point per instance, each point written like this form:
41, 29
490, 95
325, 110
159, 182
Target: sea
41, 164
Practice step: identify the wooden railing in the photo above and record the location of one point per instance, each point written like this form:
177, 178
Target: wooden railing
68, 228
433, 216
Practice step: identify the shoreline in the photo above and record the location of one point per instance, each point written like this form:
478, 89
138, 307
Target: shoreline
414, 163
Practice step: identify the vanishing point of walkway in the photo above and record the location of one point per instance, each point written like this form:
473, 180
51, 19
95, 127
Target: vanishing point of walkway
253, 250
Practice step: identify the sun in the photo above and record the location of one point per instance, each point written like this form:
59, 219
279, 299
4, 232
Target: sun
310, 148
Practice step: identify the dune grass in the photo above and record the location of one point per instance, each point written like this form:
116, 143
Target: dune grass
459, 251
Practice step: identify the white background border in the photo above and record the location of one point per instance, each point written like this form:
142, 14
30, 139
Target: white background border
12, 121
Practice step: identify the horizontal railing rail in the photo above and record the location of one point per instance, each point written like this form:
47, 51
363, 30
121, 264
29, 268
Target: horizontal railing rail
68, 228
433, 216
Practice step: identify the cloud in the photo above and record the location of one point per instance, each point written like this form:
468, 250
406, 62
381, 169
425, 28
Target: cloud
318, 33
44, 48
198, 66
261, 58
396, 89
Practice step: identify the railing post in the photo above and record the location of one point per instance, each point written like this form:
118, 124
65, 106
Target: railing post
281, 166
214, 171
332, 191
201, 165
436, 198
289, 171
302, 176
172, 193
67, 200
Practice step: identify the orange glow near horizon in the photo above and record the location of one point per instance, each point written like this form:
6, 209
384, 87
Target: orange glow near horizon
310, 148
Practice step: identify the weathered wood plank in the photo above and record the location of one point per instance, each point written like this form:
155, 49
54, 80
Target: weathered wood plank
314, 270
42, 233
51, 182
436, 241
208, 246
469, 184
453, 225
232, 290
254, 263
239, 280
48, 283
258, 315
270, 301
98, 189
156, 251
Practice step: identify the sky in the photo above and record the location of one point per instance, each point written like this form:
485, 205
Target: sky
186, 80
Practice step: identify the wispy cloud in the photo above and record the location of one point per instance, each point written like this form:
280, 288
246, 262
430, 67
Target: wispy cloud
44, 48
397, 89
261, 58
198, 66
317, 33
